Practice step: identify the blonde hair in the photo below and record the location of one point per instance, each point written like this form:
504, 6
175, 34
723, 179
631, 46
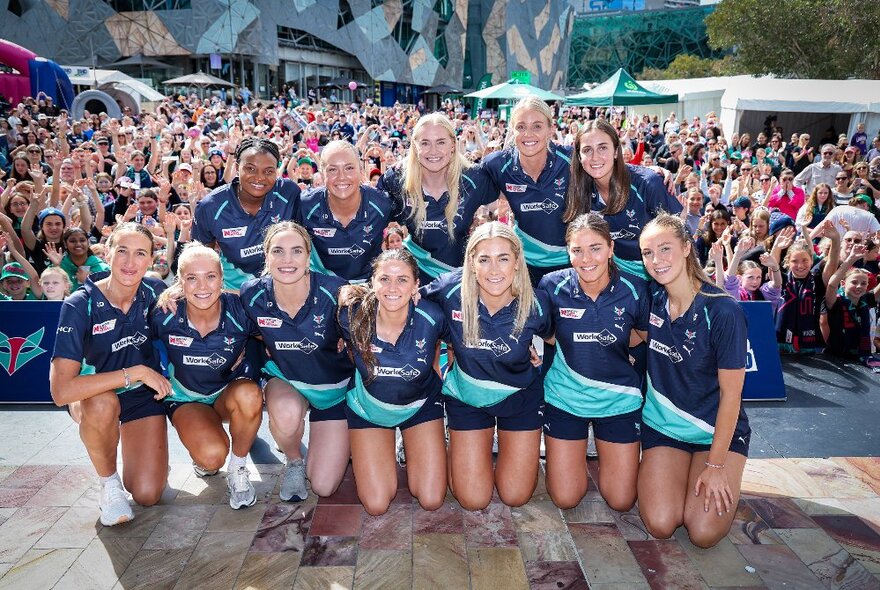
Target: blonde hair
411, 180
527, 103
338, 145
470, 290
191, 251
55, 270
279, 228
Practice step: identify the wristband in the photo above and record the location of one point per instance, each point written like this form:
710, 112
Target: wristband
715, 465
127, 378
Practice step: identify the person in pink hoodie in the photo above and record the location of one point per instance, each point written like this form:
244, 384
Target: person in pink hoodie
788, 198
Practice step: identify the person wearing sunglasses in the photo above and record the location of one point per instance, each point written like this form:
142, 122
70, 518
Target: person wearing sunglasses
842, 191
825, 170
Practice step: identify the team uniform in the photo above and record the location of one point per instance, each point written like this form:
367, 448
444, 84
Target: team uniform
99, 336
404, 390
797, 321
348, 251
199, 368
495, 379
303, 348
647, 198
537, 206
849, 326
591, 378
431, 245
220, 218
684, 357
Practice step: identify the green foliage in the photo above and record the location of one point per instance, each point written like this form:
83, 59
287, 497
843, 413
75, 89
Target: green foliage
830, 39
692, 66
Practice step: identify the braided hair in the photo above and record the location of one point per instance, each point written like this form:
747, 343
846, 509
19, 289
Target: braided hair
259, 145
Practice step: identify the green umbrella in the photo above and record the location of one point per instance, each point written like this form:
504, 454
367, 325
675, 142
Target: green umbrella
512, 90
619, 90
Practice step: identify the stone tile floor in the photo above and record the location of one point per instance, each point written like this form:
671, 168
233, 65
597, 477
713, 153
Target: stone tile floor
802, 523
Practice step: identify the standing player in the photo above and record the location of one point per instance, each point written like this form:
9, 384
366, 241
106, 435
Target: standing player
234, 215
344, 218
598, 312
201, 345
532, 173
295, 312
105, 371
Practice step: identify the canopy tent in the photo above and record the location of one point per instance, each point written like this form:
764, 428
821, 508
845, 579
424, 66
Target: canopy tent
442, 89
512, 90
811, 106
200, 80
620, 89
104, 79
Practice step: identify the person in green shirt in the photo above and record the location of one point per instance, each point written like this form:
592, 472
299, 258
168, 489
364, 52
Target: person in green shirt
78, 262
16, 282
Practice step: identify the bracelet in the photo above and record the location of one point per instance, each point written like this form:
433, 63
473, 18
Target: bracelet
127, 378
715, 465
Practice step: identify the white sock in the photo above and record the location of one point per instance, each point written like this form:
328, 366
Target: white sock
111, 480
235, 462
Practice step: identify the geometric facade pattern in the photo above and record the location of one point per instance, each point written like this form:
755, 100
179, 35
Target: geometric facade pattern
600, 44
408, 41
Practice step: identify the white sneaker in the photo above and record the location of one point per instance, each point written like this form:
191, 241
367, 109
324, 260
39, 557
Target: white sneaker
202, 472
115, 508
241, 490
293, 482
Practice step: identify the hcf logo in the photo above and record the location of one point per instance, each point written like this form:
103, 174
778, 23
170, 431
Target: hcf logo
16, 352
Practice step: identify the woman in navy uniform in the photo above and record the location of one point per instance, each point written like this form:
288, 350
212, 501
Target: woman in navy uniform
598, 312
532, 173
105, 371
493, 313
392, 340
235, 215
295, 312
695, 433
344, 218
436, 192
627, 196
201, 345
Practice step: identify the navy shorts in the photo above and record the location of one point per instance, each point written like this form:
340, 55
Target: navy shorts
139, 403
431, 410
652, 438
334, 412
623, 428
519, 411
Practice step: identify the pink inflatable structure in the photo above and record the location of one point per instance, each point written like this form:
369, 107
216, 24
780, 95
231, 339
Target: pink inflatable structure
32, 75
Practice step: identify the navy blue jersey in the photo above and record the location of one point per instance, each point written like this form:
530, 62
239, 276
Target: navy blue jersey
684, 357
432, 248
500, 364
102, 338
348, 251
404, 377
647, 197
537, 206
219, 217
200, 368
797, 319
591, 375
304, 347
849, 325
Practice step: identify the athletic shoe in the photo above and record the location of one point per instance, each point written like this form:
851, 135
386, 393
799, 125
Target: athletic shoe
293, 482
241, 490
115, 508
202, 472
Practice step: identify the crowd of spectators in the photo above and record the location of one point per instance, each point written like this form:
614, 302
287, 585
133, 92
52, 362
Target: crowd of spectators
767, 210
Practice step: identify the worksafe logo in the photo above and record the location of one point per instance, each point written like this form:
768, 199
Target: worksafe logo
16, 352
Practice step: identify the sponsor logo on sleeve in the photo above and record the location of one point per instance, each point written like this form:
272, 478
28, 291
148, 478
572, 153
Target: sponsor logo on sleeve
456, 315
181, 341
268, 322
234, 232
103, 327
